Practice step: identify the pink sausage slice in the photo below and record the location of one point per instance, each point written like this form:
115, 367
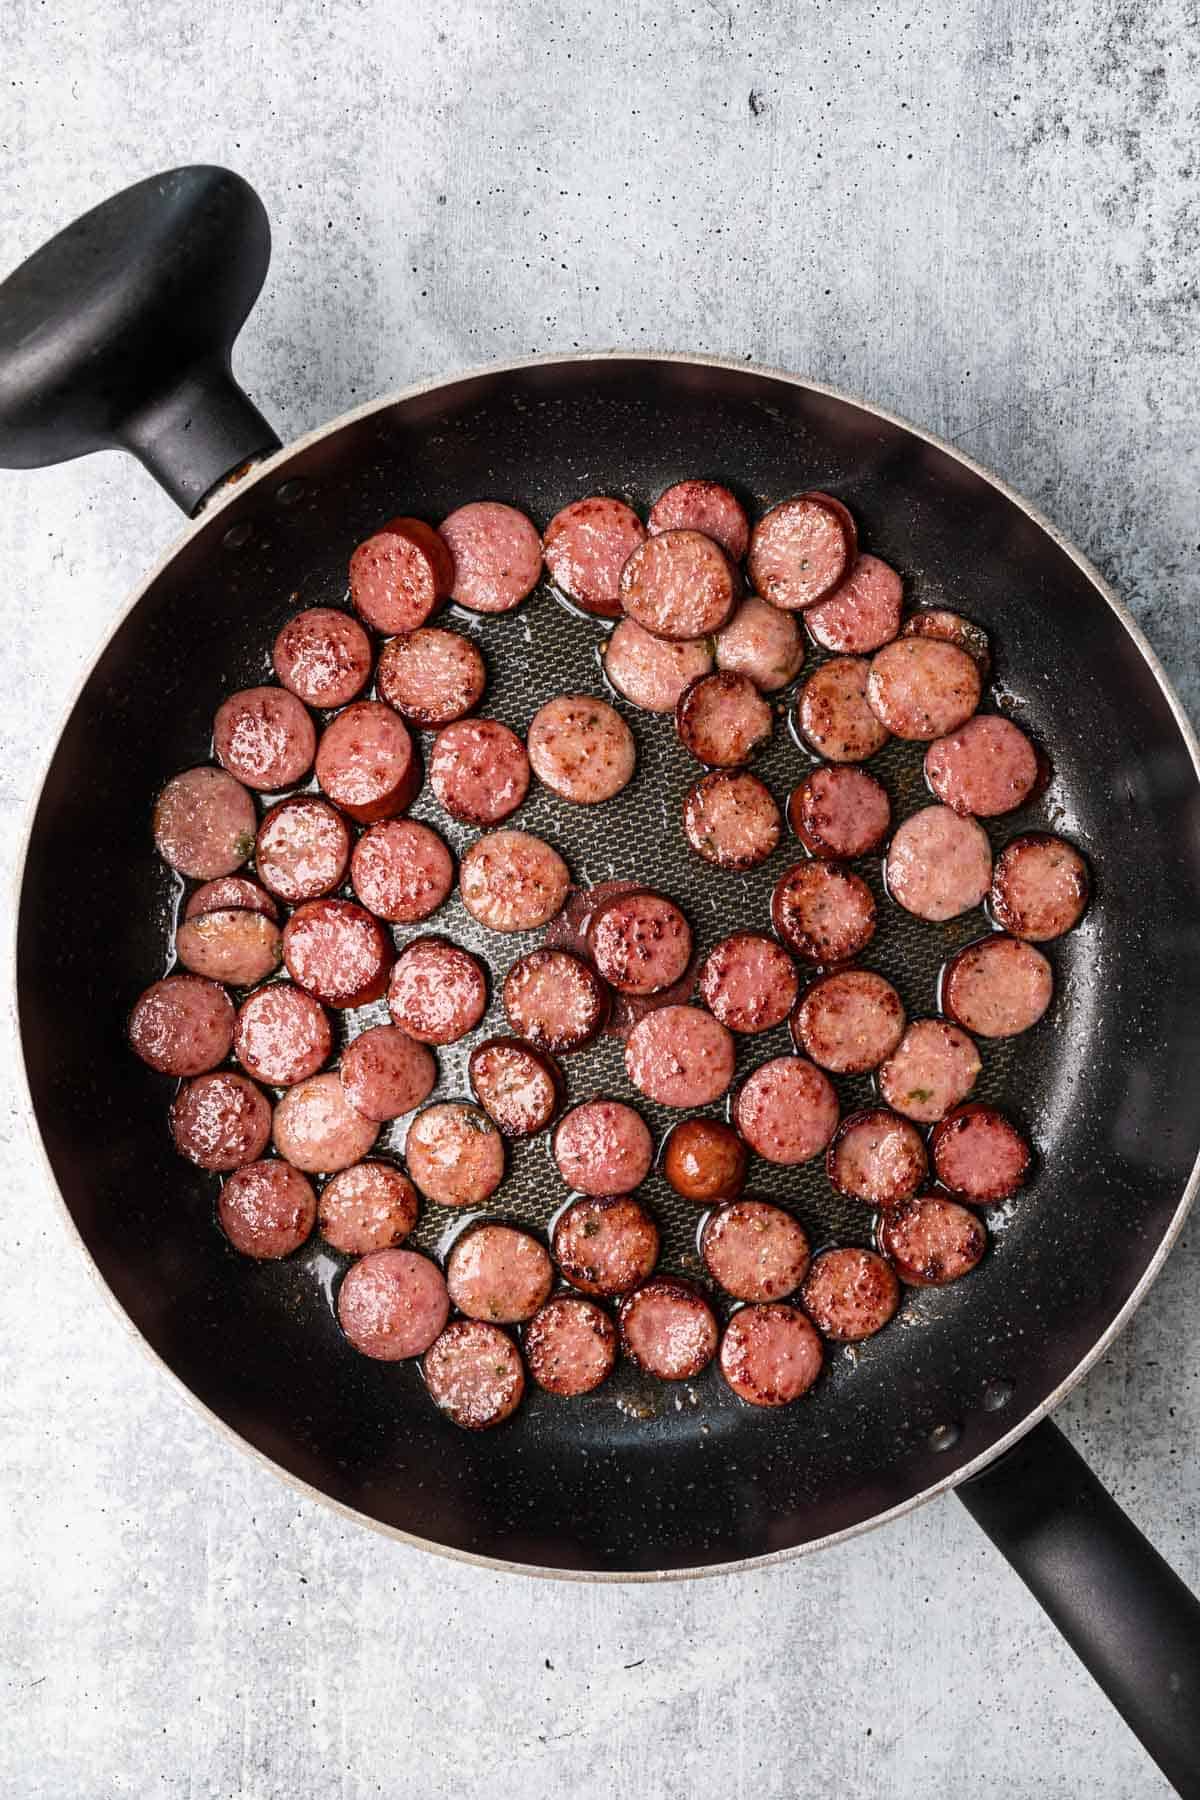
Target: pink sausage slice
221, 1121
302, 849
951, 628
454, 1154
938, 864
823, 912
227, 895
801, 550
393, 1304
283, 1035
987, 767
204, 823
933, 1068
474, 1374
265, 737
770, 1355
931, 1240
267, 1209
581, 748
749, 982
649, 671
323, 657
437, 991
863, 613
787, 1110
605, 1245
367, 763
182, 1026
519, 1087
850, 1294
980, 1155
318, 1130
555, 999
840, 813
400, 575
431, 676
385, 1073
498, 1273
722, 720
755, 1251
731, 819
570, 1346
603, 1147
371, 1206
876, 1156
680, 1057
707, 507
762, 643
1039, 887
849, 1022
668, 1329
234, 946
640, 941
997, 987
497, 556
401, 871
513, 881
479, 771
586, 546
679, 584
832, 714
923, 687
338, 952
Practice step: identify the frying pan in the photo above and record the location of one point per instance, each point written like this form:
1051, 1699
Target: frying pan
119, 333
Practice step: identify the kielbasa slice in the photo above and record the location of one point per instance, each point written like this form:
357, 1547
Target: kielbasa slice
474, 1374
303, 848
518, 1086
581, 748
997, 987
863, 613
235, 946
570, 1346
850, 1294
265, 738
513, 881
283, 1035
722, 720
931, 1240
679, 584
204, 823
640, 941
221, 1121
951, 628
182, 1026
586, 546
371, 1206
832, 714
267, 1209
431, 676
367, 763
454, 1154
386, 1074
437, 991
680, 1057
825, 913
705, 1160
755, 1251
603, 1147
497, 555
554, 999
938, 864
649, 671
393, 1304
338, 952
762, 643
786, 1110
876, 1156
933, 1068
801, 550
987, 767
228, 894
749, 982
923, 687
479, 771
606, 1244
731, 819
498, 1273
400, 574
323, 656
707, 507
401, 871
318, 1130
770, 1355
839, 813
980, 1155
1039, 887
849, 1022
668, 1329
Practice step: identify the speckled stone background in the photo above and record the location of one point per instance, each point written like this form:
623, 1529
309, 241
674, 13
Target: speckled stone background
982, 216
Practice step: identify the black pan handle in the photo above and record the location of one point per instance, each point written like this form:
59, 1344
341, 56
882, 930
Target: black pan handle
1122, 1609
118, 333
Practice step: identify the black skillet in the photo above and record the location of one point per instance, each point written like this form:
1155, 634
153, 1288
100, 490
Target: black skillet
118, 333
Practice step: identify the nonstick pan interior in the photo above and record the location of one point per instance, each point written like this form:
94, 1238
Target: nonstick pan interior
639, 1476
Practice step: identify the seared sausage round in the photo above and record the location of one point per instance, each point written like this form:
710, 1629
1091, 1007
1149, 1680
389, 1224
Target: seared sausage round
386, 1074
454, 1154
393, 1304
755, 1251
731, 819
849, 1022
338, 952
923, 687
997, 987
980, 1155
823, 912
371, 1206
786, 1110
267, 1209
283, 1035
474, 1374
649, 671
323, 656
951, 628
749, 982
401, 871
437, 991
603, 1147
987, 767
400, 574
221, 1121
770, 1355
570, 1346
265, 737
204, 823
705, 1160
517, 1085
1039, 887
850, 1294
931, 1240
318, 1130
554, 999
680, 1057
236, 946
876, 1156
228, 894
933, 1068
839, 813
498, 1273
801, 550
586, 546
861, 614
182, 1026
513, 881
832, 715
679, 584
367, 763
762, 643
432, 676
606, 1244
703, 506
722, 720
302, 849
479, 771
581, 748
497, 556
668, 1329
938, 864
640, 941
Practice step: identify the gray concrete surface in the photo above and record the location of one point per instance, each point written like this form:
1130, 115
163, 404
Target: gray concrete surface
983, 216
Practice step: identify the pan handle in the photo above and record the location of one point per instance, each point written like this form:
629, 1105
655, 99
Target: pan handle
118, 333
1123, 1610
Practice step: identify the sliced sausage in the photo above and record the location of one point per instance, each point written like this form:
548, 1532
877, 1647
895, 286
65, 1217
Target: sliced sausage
401, 871
497, 555
393, 1304
755, 1251
283, 1035
323, 656
338, 952
221, 1121
640, 941
431, 676
731, 819
801, 550
1039, 887
581, 748
204, 823
749, 982
863, 613
850, 1294
586, 546
554, 999
367, 763
825, 913
679, 584
603, 1147
235, 946
513, 881
265, 737
951, 628
371, 1206
516, 1085
474, 1374
437, 991
762, 643
267, 1209
182, 1026
318, 1130
703, 506
786, 1110
668, 1329
840, 813
980, 1155
923, 687
227, 895
997, 987
570, 1346
400, 574
606, 1244
931, 1240
649, 671
680, 1057
876, 1156
454, 1154
938, 864
722, 720
705, 1160
770, 1355
933, 1068
498, 1273
386, 1074
987, 767
832, 715
479, 771
849, 1022
303, 848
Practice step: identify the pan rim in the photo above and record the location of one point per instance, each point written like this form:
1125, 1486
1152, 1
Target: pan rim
262, 473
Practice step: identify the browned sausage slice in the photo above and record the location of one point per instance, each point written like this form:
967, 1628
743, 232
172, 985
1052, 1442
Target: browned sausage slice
938, 864
731, 820
680, 1057
367, 763
283, 1035
228, 894
497, 556
204, 823
933, 1068
863, 613
722, 720
221, 1121
570, 1346
832, 714
749, 982
668, 1329
980, 1155
498, 1273
997, 987
679, 584
850, 1294
649, 671
586, 546
581, 748
338, 952
923, 687
823, 912
182, 1026
318, 1130
437, 991
393, 1304
801, 550
235, 946
431, 676
371, 1206
518, 1086
640, 941
302, 849
703, 506
267, 1209
786, 1110
762, 643
479, 771
705, 1160
840, 813
951, 628
603, 1147
323, 656
1039, 887
265, 737
770, 1355
401, 871
386, 1074
554, 999
876, 1156
987, 767
755, 1251
454, 1154
400, 574
605, 1245
849, 1022
474, 1374
931, 1240
513, 881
